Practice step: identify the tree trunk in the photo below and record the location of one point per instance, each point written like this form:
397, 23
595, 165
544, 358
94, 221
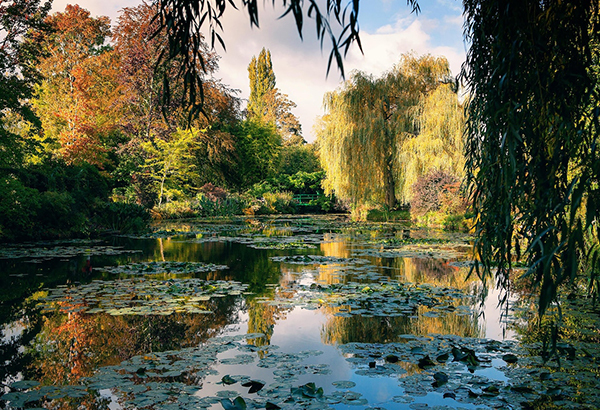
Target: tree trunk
389, 186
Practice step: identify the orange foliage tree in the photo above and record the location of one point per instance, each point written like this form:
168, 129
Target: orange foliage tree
79, 101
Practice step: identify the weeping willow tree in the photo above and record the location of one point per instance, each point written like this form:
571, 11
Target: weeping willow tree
365, 137
438, 144
532, 151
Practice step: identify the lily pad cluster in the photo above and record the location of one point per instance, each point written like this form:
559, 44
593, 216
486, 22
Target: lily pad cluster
26, 392
480, 372
162, 267
141, 296
377, 299
173, 379
39, 252
317, 260
435, 251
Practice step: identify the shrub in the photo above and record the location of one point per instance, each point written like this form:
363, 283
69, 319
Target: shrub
19, 206
437, 191
215, 201
122, 217
176, 210
213, 192
279, 202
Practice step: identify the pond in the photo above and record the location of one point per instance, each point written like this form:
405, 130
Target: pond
270, 313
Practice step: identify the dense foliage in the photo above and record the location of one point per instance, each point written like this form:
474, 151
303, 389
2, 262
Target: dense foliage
390, 129
84, 100
532, 151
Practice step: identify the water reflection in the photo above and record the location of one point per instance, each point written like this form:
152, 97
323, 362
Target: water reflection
57, 348
71, 346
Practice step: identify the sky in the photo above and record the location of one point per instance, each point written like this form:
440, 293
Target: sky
388, 29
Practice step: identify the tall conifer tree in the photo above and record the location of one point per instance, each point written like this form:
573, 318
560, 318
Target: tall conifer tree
262, 83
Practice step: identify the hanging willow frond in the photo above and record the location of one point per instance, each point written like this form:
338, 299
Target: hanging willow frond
532, 155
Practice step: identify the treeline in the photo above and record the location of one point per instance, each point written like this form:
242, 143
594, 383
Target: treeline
95, 129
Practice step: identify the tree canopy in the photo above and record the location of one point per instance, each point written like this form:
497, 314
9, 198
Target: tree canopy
379, 135
262, 83
267, 103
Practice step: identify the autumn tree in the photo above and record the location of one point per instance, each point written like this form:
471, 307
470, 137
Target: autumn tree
78, 100
148, 116
368, 123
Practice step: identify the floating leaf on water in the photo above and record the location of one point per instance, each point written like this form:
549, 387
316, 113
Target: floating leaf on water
228, 380
440, 378
426, 362
391, 358
238, 359
308, 390
449, 395
237, 404
510, 358
227, 393
492, 390
443, 357
344, 384
250, 336
24, 384
254, 385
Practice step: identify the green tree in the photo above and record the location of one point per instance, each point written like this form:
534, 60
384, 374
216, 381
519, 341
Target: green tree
18, 74
369, 121
262, 83
257, 146
298, 158
170, 163
533, 163
268, 104
438, 143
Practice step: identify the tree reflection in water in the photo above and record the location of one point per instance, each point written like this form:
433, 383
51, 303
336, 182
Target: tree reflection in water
71, 346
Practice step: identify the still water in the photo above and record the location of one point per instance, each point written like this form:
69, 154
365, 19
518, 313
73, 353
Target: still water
303, 312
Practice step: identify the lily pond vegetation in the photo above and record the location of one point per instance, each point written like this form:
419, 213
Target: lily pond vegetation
277, 312
169, 245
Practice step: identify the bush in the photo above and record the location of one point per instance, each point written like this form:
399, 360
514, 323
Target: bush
279, 202
58, 216
216, 201
19, 206
437, 191
176, 210
122, 217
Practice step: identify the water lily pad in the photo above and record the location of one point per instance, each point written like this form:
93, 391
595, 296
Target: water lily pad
344, 384
24, 384
163, 267
142, 296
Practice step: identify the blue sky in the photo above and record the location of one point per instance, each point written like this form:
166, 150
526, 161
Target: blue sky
388, 29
